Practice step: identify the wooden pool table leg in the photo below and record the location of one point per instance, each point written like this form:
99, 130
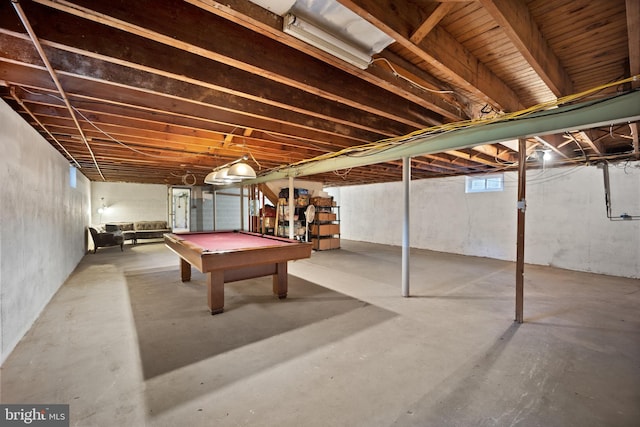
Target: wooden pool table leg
185, 270
280, 285
215, 291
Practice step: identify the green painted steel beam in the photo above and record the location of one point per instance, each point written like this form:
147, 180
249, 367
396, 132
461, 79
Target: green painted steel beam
619, 109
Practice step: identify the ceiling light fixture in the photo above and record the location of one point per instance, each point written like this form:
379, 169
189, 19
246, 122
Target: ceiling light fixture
242, 171
230, 173
315, 36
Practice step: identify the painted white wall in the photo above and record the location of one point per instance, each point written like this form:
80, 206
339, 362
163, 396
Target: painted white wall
566, 223
42, 225
128, 202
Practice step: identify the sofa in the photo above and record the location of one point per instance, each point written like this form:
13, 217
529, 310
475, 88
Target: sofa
140, 229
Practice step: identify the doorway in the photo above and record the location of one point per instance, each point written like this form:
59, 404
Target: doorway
180, 209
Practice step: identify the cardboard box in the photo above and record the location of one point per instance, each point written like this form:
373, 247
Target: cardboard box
322, 201
325, 216
324, 244
325, 229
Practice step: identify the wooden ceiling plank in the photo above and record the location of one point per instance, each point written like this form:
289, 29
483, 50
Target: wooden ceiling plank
516, 21
442, 51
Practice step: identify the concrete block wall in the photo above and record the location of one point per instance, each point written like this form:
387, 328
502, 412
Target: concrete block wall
566, 222
43, 224
128, 202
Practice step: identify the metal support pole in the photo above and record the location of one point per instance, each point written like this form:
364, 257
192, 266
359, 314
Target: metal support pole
242, 207
406, 180
522, 206
291, 205
215, 207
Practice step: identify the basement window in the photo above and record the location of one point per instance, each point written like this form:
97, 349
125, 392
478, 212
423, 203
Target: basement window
72, 176
484, 184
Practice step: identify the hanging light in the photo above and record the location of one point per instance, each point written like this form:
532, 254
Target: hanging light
231, 172
209, 179
222, 177
241, 170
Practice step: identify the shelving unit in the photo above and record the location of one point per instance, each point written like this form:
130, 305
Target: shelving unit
325, 229
282, 218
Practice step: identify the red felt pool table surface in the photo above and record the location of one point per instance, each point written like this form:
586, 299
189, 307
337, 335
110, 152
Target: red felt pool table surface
224, 241
227, 256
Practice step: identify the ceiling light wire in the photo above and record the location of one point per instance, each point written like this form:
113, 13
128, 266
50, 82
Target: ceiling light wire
418, 85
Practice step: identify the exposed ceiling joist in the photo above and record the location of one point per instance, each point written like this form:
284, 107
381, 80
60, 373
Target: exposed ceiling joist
619, 109
161, 88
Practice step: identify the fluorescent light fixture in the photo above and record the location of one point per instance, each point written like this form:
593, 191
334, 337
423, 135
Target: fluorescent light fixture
321, 39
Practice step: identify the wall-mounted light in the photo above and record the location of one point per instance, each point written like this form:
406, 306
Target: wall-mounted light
547, 155
103, 207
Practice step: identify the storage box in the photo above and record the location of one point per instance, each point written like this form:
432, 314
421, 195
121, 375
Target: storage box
325, 229
325, 216
269, 221
324, 244
322, 201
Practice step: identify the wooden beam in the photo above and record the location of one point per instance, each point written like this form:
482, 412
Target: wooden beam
440, 50
474, 158
548, 142
494, 151
183, 100
634, 135
516, 21
212, 37
430, 23
581, 137
633, 33
258, 19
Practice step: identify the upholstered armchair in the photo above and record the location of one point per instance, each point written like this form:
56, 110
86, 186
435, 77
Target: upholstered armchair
111, 238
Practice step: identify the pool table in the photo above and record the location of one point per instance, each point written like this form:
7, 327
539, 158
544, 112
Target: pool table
227, 256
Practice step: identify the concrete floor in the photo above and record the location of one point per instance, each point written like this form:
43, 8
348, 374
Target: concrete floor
125, 343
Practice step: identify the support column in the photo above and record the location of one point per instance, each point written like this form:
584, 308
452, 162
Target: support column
522, 206
242, 207
406, 180
291, 206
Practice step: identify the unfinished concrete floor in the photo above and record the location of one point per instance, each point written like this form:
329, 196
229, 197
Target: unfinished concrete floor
125, 343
